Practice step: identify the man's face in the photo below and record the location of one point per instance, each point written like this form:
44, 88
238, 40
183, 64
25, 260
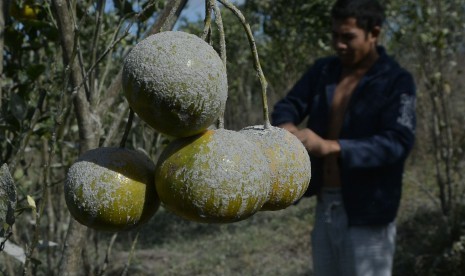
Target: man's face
352, 44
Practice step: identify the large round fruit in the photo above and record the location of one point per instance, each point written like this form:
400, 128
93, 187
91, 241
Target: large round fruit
111, 189
289, 162
175, 82
217, 176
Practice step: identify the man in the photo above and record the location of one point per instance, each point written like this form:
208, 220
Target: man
360, 106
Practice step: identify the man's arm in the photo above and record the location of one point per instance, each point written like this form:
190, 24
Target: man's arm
396, 136
392, 144
294, 107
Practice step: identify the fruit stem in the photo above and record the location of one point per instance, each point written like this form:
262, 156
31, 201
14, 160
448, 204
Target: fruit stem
256, 60
122, 144
206, 34
219, 24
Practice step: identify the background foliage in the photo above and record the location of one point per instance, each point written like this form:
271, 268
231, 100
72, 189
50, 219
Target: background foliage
41, 134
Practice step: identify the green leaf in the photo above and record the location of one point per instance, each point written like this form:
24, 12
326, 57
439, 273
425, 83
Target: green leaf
34, 71
7, 196
13, 38
18, 107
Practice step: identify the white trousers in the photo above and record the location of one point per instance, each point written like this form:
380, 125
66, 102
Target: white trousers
340, 250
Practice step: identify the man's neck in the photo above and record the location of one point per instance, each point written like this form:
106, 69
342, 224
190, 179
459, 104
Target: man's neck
363, 66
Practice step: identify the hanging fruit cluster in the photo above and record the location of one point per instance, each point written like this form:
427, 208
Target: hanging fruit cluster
215, 175
177, 84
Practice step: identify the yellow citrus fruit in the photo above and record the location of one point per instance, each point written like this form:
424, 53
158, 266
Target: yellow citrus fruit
28, 11
218, 176
111, 189
175, 82
289, 164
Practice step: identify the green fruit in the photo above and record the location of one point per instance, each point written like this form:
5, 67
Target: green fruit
111, 189
289, 164
176, 83
218, 176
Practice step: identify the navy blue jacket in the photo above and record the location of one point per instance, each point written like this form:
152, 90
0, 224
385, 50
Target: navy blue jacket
376, 136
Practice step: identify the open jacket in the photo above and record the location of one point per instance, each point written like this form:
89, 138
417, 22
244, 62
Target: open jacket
376, 136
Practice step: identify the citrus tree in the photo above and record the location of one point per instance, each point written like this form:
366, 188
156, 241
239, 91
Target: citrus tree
430, 36
427, 35
66, 51
60, 96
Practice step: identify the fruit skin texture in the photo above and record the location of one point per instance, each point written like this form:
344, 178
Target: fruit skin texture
175, 82
214, 177
289, 163
111, 189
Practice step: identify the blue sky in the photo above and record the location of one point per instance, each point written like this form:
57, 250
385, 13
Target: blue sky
195, 9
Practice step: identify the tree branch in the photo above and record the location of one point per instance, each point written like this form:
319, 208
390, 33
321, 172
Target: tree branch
164, 22
87, 124
4, 4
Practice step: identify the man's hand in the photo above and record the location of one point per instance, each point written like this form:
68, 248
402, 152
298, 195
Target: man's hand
289, 127
316, 145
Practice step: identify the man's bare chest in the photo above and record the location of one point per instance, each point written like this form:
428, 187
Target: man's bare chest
341, 98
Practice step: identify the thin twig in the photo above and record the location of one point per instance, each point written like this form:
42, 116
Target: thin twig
95, 40
114, 128
127, 129
86, 75
107, 255
110, 59
24, 137
256, 60
77, 44
133, 247
43, 202
172, 7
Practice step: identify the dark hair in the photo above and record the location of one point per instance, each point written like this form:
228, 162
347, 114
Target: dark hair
368, 13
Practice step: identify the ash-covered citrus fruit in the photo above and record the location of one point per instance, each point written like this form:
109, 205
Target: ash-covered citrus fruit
289, 163
218, 176
175, 82
111, 189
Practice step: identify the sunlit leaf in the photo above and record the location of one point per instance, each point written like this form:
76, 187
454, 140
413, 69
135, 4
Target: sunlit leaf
31, 202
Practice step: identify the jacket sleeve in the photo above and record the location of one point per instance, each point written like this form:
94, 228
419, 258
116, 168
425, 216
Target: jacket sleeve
397, 131
295, 106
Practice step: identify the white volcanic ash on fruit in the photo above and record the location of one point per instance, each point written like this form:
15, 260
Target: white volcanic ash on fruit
225, 179
111, 189
289, 163
90, 182
238, 163
175, 82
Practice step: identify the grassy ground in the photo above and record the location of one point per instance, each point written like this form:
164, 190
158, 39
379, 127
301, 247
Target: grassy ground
274, 243
269, 243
